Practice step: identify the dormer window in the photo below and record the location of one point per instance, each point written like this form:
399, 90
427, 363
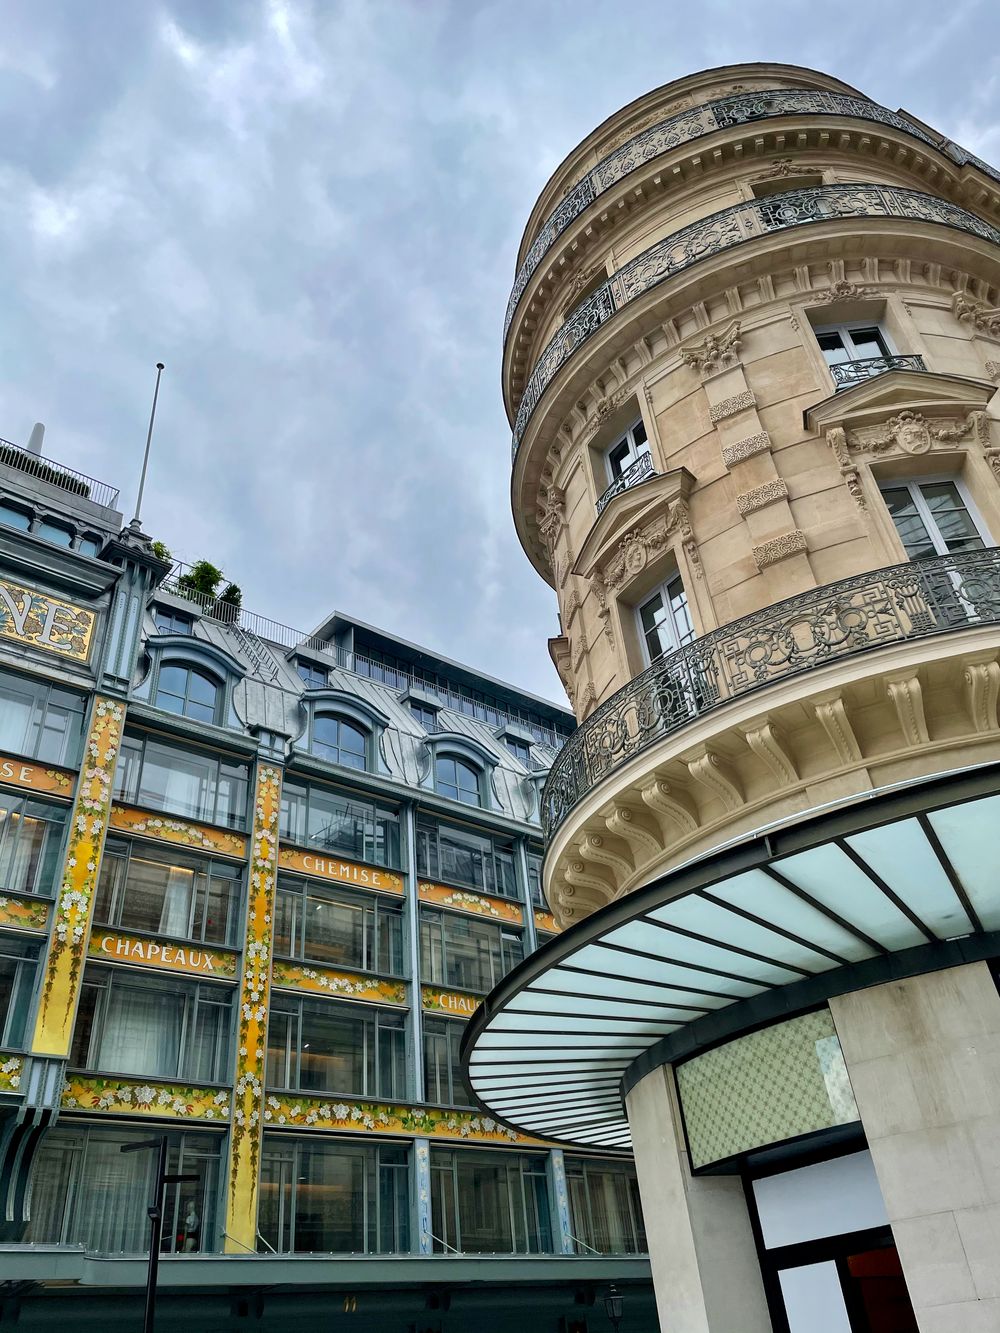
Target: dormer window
312, 676
457, 780
341, 742
169, 621
519, 749
424, 714
188, 691
627, 451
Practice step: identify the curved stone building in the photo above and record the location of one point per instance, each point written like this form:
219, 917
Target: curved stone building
751, 360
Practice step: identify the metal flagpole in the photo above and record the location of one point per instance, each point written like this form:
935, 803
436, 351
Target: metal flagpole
149, 437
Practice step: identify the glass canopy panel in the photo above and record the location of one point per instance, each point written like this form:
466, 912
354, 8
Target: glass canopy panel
758, 893
605, 961
623, 1011
968, 837
653, 1023
698, 913
699, 953
568, 1043
832, 878
542, 1065
902, 856
615, 988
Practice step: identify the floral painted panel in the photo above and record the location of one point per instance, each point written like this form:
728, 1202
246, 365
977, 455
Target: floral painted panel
127, 819
132, 1097
386, 1118
461, 900
88, 826
336, 868
10, 1071
16, 772
344, 985
457, 1004
24, 913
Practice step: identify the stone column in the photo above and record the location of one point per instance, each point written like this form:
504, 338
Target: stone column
924, 1059
705, 1269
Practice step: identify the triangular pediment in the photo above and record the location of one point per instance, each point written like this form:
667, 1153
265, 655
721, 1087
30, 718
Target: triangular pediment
894, 391
636, 507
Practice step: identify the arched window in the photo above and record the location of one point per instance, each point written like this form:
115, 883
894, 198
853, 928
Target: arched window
458, 780
188, 691
340, 741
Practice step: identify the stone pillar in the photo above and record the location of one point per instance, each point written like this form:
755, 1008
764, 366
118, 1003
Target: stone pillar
251, 1025
705, 1269
924, 1059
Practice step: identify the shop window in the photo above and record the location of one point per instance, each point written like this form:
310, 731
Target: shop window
18, 962
329, 1197
349, 1049
30, 842
489, 1203
464, 953
443, 1081
153, 1027
605, 1214
457, 780
316, 816
180, 896
188, 691
40, 721
665, 620
339, 741
466, 859
85, 1191
321, 925
934, 518
190, 783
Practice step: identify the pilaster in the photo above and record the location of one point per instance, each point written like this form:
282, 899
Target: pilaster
555, 1177
421, 1239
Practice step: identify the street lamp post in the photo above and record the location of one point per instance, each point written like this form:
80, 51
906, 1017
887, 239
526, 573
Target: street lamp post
155, 1214
614, 1305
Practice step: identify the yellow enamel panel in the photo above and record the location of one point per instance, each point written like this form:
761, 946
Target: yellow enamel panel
342, 985
88, 826
45, 622
113, 946
462, 900
455, 1003
119, 1096
16, 772
163, 828
344, 872
386, 1118
251, 1039
24, 913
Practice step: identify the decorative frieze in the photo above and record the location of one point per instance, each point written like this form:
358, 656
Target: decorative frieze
748, 502
164, 828
133, 1097
779, 548
475, 904
744, 449
16, 772
38, 620
334, 982
456, 1004
290, 1110
340, 870
113, 946
729, 407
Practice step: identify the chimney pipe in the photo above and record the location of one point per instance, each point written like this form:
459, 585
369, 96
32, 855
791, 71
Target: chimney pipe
35, 439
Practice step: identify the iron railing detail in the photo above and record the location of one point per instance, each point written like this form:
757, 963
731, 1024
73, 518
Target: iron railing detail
885, 606
720, 231
848, 373
682, 128
633, 474
58, 474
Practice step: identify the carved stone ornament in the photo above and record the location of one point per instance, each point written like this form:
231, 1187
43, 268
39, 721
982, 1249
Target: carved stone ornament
552, 517
787, 166
640, 545
715, 352
576, 285
843, 291
983, 318
837, 439
911, 433
605, 408
993, 370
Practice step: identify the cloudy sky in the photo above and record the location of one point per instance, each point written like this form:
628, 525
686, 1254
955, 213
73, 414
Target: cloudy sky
309, 210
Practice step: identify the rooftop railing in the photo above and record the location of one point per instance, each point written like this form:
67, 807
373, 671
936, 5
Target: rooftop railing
721, 231
904, 602
58, 474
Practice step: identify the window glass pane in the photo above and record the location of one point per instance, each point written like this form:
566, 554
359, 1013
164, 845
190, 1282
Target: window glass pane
955, 525
465, 953
604, 1207
194, 784
18, 960
89, 546
833, 348
55, 533
917, 541
40, 721
30, 842
868, 342
14, 518
340, 742
485, 1203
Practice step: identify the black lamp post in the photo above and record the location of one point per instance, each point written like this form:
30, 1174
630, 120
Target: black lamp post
155, 1214
614, 1305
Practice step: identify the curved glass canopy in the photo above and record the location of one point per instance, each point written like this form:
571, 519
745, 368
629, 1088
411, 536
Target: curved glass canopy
903, 880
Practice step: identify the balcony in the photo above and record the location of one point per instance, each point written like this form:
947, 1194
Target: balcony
848, 373
638, 471
722, 231
905, 602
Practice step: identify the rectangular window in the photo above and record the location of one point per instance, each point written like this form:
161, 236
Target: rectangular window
665, 620
604, 1207
519, 749
338, 1049
489, 1203
466, 953
86, 1191
169, 621
442, 1067
192, 783
424, 714
333, 1197
18, 962
31, 834
40, 721
535, 894
466, 859
312, 676
627, 451
932, 518
315, 816
153, 1027
164, 893
323, 925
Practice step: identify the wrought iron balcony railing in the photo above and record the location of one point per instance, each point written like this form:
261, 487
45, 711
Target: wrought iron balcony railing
848, 373
58, 474
894, 605
682, 128
636, 472
720, 231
